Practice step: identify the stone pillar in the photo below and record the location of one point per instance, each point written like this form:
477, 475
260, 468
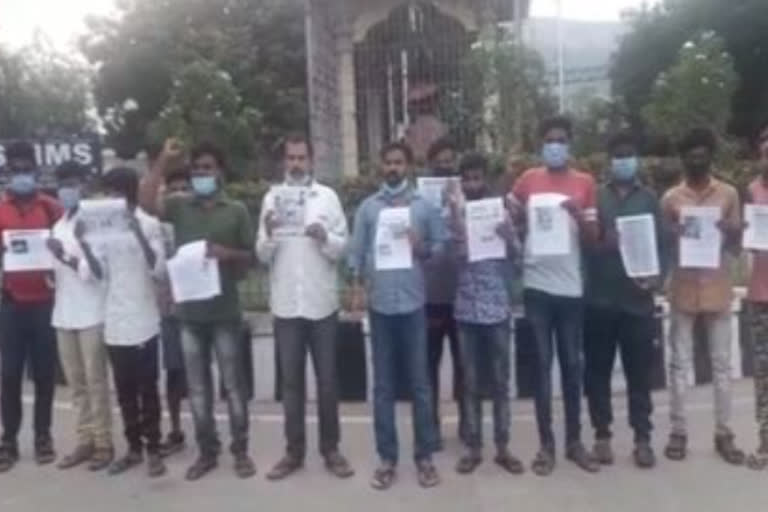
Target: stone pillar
348, 102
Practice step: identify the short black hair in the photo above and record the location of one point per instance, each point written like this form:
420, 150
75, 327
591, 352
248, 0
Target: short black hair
397, 146
474, 161
697, 138
124, 180
20, 150
440, 145
71, 169
623, 138
208, 148
295, 138
555, 122
182, 173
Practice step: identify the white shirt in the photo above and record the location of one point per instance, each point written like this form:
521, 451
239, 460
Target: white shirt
79, 296
131, 313
304, 281
557, 275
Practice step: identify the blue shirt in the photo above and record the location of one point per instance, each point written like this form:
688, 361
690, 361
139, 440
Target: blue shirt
394, 292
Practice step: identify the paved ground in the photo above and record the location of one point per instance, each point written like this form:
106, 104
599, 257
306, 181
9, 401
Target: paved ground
701, 484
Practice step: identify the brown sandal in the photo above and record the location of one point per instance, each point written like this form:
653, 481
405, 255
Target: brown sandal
727, 449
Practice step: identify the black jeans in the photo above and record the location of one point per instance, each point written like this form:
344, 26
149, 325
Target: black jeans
26, 335
135, 370
605, 332
294, 338
559, 319
441, 324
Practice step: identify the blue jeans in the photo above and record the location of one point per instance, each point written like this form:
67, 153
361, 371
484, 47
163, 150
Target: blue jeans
494, 340
556, 320
389, 335
198, 342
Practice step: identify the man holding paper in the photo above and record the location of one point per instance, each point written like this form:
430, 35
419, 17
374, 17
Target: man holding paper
26, 335
559, 215
620, 300
304, 298
211, 325
486, 248
703, 219
396, 231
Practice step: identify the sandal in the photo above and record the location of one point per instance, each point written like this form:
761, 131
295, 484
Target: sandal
579, 455
383, 477
469, 463
427, 474
757, 461
129, 461
9, 456
101, 459
544, 463
677, 448
201, 467
727, 449
244, 466
82, 453
44, 452
338, 465
509, 463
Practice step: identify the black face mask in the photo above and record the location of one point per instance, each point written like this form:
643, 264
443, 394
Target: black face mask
443, 172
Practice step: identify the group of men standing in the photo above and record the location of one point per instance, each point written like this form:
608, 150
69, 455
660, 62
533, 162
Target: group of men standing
109, 303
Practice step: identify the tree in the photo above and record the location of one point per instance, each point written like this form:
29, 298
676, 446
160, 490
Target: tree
658, 33
139, 54
696, 91
43, 92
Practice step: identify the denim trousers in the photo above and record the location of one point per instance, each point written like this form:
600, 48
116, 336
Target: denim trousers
391, 335
494, 341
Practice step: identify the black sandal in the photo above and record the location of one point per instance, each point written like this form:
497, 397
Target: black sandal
677, 448
510, 463
201, 467
544, 463
427, 474
727, 449
468, 463
383, 477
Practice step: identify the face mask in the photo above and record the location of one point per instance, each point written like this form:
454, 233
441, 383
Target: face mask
624, 169
204, 186
69, 197
396, 189
23, 184
298, 179
555, 155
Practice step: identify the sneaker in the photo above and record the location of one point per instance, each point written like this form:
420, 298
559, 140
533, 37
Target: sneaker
579, 455
602, 452
174, 443
155, 465
644, 456
82, 453
338, 465
244, 466
9, 456
44, 452
427, 474
202, 466
384, 476
287, 466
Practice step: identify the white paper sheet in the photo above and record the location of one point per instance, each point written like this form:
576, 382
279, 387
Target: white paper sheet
103, 218
193, 275
434, 190
26, 249
549, 230
701, 242
483, 218
290, 210
638, 245
393, 250
756, 234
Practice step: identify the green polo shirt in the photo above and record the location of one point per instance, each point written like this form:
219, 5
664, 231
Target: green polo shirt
607, 283
227, 223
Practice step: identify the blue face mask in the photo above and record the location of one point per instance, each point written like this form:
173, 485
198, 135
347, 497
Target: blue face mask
69, 197
204, 186
23, 184
397, 189
555, 155
624, 169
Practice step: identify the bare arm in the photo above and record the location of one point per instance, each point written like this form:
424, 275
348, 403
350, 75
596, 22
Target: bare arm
149, 190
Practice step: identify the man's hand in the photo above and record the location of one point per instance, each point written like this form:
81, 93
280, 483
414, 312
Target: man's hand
731, 229
505, 230
317, 232
647, 283
216, 251
357, 299
270, 223
573, 208
56, 247
173, 150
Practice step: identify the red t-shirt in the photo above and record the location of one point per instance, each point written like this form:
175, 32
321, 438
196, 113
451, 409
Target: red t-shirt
42, 212
579, 186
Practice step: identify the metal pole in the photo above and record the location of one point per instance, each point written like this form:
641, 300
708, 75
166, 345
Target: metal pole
519, 121
560, 57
